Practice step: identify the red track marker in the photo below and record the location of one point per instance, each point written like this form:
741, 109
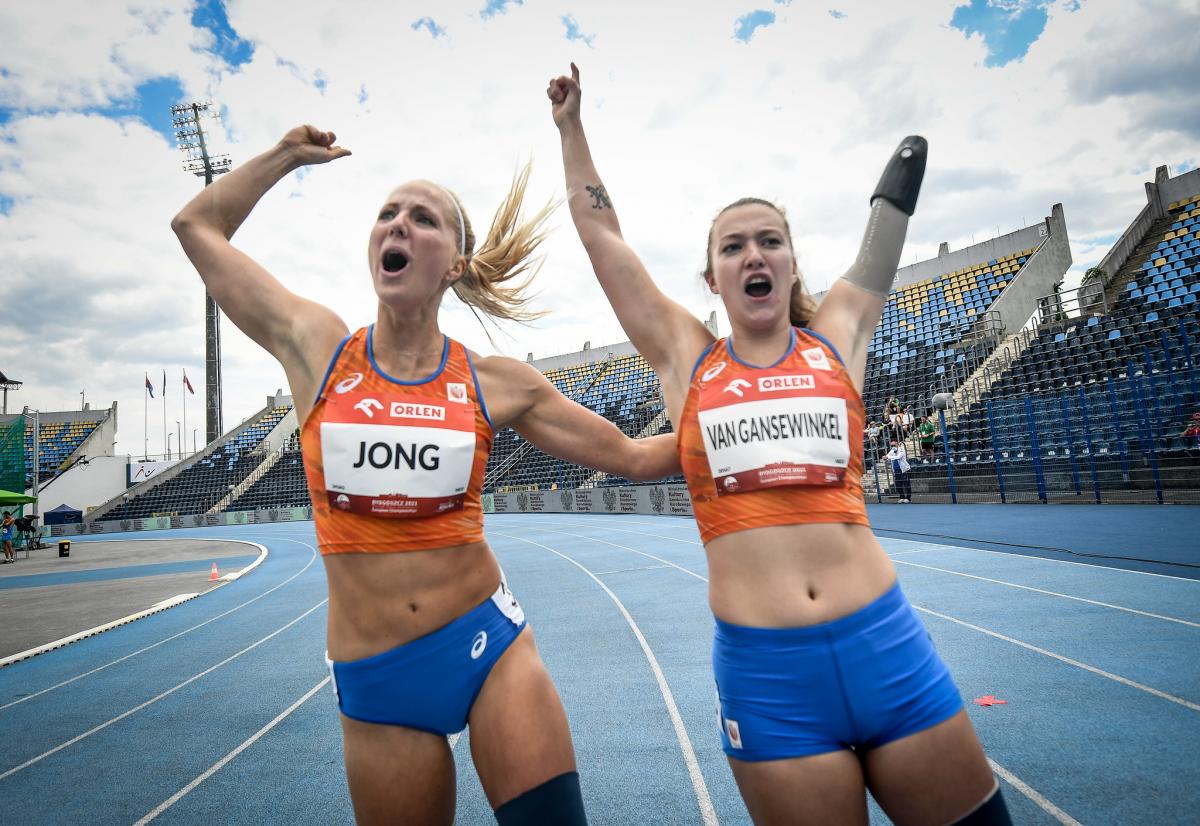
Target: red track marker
989, 700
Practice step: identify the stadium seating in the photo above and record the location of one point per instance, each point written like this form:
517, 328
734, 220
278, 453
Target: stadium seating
283, 486
58, 440
201, 485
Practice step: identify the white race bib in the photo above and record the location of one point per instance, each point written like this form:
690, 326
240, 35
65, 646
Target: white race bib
391, 457
772, 441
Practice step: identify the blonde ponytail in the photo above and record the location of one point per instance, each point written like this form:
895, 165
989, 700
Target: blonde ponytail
507, 253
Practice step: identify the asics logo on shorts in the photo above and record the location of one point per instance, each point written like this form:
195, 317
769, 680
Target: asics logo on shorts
479, 643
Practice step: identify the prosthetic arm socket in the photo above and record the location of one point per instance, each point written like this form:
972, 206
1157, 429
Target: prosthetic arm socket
894, 201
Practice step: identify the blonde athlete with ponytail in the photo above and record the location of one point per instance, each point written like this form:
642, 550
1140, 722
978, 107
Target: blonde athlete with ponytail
424, 637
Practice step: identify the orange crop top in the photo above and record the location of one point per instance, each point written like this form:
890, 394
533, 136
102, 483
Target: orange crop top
396, 465
777, 445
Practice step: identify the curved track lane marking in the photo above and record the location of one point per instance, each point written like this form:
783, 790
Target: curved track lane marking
1051, 593
153, 700
665, 562
1024, 788
311, 560
216, 767
708, 815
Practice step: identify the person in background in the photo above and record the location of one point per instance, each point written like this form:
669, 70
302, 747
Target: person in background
898, 457
927, 430
8, 527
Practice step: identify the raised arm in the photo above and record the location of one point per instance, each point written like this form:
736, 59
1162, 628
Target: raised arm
663, 331
300, 333
520, 397
848, 314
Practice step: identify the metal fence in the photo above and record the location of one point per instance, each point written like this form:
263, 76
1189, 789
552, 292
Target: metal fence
1128, 438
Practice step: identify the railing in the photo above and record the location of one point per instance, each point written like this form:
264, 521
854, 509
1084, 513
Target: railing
1133, 436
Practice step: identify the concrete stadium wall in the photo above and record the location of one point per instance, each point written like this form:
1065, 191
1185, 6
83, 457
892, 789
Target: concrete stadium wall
85, 487
592, 354
1174, 189
1041, 272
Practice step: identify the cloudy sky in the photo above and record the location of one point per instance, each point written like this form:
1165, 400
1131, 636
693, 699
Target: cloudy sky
688, 106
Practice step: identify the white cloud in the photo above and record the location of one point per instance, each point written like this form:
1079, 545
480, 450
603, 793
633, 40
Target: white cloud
682, 120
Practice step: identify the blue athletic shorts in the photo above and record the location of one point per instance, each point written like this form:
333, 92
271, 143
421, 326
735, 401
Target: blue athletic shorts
857, 682
431, 683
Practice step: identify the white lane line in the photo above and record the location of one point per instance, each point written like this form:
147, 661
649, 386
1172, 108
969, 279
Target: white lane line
708, 815
154, 609
1033, 794
153, 700
312, 559
1020, 555
216, 767
632, 570
683, 523
906, 553
1107, 674
666, 562
453, 738
1052, 593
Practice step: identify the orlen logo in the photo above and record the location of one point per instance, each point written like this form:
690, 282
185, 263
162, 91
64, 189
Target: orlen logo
369, 406
736, 386
712, 372
349, 383
408, 410
773, 384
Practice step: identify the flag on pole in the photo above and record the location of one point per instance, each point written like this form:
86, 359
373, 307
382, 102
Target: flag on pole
149, 386
164, 383
187, 383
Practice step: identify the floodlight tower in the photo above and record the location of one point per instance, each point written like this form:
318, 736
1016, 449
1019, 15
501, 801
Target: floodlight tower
7, 384
185, 119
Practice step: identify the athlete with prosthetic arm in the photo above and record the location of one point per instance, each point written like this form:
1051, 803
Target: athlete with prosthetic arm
397, 423
827, 682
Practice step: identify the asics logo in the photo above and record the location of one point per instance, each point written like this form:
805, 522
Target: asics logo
712, 372
368, 406
349, 383
478, 644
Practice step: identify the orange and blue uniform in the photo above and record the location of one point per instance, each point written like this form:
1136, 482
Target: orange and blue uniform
782, 445
775, 445
397, 466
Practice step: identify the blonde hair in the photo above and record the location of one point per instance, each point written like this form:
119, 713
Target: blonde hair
507, 253
801, 306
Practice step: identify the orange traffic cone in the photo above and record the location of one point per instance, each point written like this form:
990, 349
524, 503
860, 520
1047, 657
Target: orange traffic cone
214, 576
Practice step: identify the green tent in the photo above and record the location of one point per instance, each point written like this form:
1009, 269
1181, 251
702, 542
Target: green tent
7, 497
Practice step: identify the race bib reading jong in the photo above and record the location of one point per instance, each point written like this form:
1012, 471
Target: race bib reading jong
397, 457
766, 431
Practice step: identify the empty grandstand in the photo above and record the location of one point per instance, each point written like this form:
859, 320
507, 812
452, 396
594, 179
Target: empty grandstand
64, 437
212, 477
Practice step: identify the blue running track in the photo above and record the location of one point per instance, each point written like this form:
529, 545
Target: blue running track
219, 710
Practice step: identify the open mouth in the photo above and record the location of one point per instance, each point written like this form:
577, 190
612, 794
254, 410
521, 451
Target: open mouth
758, 286
394, 262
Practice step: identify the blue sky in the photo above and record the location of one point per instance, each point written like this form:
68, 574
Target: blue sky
797, 102
1009, 27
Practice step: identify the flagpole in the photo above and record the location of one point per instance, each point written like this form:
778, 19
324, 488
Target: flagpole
165, 413
183, 398
146, 419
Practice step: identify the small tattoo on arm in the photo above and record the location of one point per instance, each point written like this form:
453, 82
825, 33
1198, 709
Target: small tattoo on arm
600, 197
